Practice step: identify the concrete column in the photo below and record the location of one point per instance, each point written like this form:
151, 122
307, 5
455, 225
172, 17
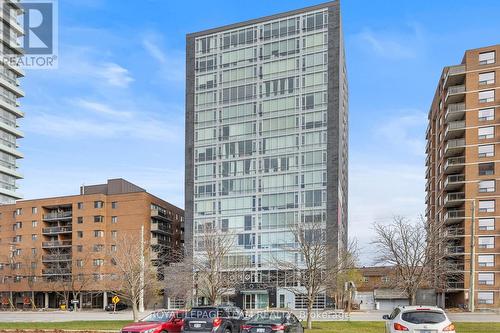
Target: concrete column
81, 301
46, 300
104, 299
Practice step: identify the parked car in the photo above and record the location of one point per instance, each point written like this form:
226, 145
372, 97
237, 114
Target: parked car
273, 322
213, 319
161, 321
418, 319
119, 306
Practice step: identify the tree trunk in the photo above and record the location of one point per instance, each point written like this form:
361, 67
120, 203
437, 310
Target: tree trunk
135, 311
413, 297
309, 310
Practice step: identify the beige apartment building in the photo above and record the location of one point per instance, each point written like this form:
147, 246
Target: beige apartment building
46, 240
463, 168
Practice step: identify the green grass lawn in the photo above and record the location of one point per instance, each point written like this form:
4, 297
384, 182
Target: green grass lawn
378, 327
69, 325
318, 327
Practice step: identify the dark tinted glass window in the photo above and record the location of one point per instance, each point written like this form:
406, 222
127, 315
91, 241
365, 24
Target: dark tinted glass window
423, 317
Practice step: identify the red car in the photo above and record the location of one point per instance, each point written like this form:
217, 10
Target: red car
161, 321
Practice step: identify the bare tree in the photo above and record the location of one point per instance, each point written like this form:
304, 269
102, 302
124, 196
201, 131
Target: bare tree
318, 264
29, 262
213, 277
178, 275
135, 273
416, 250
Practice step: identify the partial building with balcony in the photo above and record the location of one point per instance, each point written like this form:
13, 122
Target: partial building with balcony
462, 193
45, 241
10, 92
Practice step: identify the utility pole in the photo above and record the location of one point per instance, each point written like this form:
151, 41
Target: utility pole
472, 279
141, 288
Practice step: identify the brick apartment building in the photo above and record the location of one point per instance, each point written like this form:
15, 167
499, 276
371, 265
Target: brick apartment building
37, 236
462, 175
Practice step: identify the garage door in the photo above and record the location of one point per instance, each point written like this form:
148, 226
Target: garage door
389, 304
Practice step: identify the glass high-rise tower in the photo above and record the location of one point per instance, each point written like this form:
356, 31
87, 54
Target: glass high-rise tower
266, 140
9, 93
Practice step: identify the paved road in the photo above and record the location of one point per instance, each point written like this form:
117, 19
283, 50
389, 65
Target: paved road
52, 316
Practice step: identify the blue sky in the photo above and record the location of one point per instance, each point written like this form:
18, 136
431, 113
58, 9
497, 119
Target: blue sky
115, 106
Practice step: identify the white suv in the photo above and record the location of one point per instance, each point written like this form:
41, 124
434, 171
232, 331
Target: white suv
418, 319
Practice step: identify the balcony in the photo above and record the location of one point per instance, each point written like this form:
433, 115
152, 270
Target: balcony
455, 129
455, 267
455, 75
454, 216
454, 164
161, 228
454, 147
454, 112
428, 160
454, 182
57, 216
57, 230
56, 257
159, 214
56, 271
455, 250
455, 285
454, 232
455, 94
55, 244
158, 241
454, 199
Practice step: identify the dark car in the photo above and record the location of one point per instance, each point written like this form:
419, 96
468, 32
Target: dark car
161, 321
119, 306
213, 319
273, 322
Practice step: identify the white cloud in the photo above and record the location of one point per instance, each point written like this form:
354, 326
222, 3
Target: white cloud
101, 108
405, 131
392, 45
172, 62
114, 74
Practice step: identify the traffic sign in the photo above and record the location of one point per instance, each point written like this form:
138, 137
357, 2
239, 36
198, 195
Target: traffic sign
5, 301
26, 300
75, 301
115, 299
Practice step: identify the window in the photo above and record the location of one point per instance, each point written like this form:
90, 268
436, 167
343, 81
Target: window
486, 242
98, 262
486, 278
79, 219
80, 205
34, 236
486, 114
486, 78
33, 251
365, 279
18, 225
487, 224
385, 279
98, 233
486, 260
98, 247
486, 186
79, 248
34, 224
114, 234
486, 206
114, 205
487, 58
34, 210
79, 263
114, 219
79, 234
33, 265
486, 169
98, 204
485, 297
486, 132
486, 150
113, 248
486, 96
98, 219
19, 211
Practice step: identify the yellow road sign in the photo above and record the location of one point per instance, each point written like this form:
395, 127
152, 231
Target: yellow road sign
115, 299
